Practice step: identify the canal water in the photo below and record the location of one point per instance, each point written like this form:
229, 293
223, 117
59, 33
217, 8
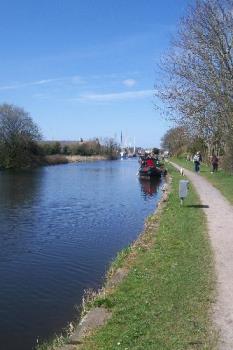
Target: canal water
60, 227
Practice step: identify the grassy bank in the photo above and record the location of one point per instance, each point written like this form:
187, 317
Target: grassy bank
221, 180
165, 301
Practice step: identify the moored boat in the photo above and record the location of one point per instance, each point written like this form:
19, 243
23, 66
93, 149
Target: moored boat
151, 168
150, 172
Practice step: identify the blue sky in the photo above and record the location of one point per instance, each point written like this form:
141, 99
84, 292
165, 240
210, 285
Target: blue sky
87, 68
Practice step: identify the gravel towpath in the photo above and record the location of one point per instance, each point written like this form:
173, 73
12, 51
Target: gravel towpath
219, 214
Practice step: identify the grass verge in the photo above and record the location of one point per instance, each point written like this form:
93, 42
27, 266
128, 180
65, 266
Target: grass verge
165, 301
221, 180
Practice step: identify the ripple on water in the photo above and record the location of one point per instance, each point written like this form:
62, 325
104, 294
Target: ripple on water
60, 228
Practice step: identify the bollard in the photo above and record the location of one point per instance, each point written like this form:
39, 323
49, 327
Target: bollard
183, 190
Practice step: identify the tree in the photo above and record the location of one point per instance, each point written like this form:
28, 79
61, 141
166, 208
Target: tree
56, 149
66, 150
175, 140
18, 137
51, 148
111, 148
198, 73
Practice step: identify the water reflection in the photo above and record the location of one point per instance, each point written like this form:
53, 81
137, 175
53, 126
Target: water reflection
149, 187
19, 188
60, 228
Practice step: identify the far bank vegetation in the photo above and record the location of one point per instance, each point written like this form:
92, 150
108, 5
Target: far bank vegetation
21, 143
197, 75
105, 147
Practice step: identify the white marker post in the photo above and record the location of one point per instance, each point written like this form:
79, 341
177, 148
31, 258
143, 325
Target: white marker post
183, 190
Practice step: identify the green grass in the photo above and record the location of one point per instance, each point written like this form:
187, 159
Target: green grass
165, 301
221, 180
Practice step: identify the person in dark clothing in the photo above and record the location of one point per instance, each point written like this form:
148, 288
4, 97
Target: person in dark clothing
214, 163
197, 161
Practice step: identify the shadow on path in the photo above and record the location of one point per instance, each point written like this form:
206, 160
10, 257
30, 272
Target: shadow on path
197, 206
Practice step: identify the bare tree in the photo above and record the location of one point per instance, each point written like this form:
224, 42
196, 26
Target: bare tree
175, 140
111, 148
198, 72
18, 137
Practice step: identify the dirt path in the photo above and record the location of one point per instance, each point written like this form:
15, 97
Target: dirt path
219, 214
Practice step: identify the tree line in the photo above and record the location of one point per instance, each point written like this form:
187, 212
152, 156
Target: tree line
197, 77
178, 141
82, 148
21, 143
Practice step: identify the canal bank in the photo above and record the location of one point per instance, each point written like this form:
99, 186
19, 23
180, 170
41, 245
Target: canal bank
221, 179
165, 298
219, 213
61, 227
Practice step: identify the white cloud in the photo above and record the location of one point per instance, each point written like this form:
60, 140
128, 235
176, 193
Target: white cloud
41, 82
74, 79
22, 85
116, 96
129, 82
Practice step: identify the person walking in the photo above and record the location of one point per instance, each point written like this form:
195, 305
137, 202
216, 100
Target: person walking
214, 162
197, 161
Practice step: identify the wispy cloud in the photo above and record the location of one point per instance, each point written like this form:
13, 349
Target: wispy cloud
115, 96
73, 79
22, 85
129, 82
42, 96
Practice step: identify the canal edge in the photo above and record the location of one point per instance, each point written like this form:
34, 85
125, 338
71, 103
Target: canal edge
93, 317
